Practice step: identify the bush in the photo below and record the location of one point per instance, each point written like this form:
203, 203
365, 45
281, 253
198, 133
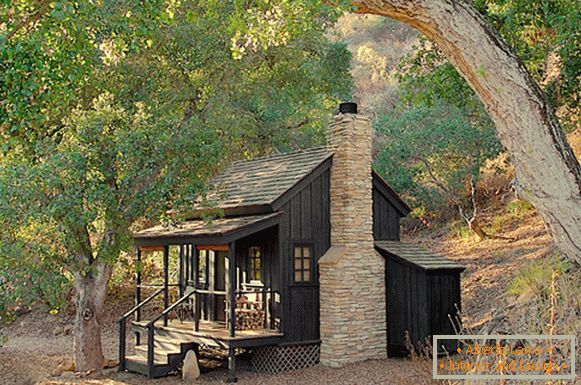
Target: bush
29, 274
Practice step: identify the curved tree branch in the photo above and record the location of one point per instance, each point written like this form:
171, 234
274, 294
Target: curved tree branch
526, 125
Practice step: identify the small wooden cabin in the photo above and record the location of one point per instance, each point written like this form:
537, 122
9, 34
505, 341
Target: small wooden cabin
250, 279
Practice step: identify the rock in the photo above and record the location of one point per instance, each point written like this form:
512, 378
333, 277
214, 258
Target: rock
68, 329
191, 370
123, 376
110, 364
58, 330
65, 366
68, 375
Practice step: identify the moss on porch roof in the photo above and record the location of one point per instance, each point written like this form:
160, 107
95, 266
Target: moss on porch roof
202, 228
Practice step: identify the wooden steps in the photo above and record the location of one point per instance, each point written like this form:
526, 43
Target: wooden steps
169, 353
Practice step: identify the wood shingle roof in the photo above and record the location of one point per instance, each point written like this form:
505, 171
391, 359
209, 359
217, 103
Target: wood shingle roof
417, 255
261, 181
200, 228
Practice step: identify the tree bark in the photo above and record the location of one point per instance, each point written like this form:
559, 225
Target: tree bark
91, 292
545, 164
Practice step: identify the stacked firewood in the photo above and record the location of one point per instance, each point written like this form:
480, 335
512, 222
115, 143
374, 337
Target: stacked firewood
249, 319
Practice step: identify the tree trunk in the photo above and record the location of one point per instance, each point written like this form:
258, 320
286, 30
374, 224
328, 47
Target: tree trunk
545, 164
91, 292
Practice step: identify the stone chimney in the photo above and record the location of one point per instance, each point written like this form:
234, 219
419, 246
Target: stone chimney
351, 273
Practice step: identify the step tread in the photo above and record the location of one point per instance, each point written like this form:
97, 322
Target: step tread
141, 360
157, 350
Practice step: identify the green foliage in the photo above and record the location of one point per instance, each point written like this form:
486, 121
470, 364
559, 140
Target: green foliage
536, 277
545, 35
459, 230
30, 272
431, 151
111, 112
518, 207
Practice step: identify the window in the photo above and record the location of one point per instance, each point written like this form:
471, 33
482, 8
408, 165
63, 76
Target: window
254, 256
303, 261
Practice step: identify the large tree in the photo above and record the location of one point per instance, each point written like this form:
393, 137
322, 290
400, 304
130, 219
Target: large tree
547, 170
111, 112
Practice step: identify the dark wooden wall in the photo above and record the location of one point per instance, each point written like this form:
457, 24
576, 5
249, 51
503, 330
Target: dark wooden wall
444, 298
270, 275
419, 301
407, 305
385, 218
306, 219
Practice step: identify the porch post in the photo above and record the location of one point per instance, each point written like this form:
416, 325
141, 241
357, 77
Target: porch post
165, 281
232, 287
232, 366
195, 276
182, 279
138, 292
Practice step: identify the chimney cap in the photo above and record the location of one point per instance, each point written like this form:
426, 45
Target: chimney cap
348, 108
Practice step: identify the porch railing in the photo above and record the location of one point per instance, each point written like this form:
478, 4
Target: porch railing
123, 326
267, 299
151, 329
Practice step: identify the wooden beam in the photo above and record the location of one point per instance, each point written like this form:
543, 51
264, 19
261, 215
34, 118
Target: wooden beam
232, 288
151, 248
138, 293
165, 281
232, 366
220, 247
181, 272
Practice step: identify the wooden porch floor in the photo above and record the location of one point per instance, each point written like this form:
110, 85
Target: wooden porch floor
214, 333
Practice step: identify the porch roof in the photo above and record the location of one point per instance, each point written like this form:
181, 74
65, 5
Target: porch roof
220, 230
417, 255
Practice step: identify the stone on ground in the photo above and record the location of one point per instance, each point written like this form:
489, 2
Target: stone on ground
191, 369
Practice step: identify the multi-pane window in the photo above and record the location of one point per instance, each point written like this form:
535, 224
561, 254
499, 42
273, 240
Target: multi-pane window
303, 263
254, 257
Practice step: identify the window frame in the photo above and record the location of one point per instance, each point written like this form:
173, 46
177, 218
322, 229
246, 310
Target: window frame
311, 269
252, 264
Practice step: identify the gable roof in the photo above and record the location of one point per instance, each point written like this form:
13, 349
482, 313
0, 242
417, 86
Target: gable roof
416, 255
258, 183
264, 184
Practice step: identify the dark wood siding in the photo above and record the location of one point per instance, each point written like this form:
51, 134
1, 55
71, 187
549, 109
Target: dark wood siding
420, 303
385, 218
306, 220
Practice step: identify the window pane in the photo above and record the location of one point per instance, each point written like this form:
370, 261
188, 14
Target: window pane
298, 252
298, 265
306, 251
307, 263
306, 276
298, 277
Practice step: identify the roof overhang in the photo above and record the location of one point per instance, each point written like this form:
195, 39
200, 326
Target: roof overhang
217, 231
417, 256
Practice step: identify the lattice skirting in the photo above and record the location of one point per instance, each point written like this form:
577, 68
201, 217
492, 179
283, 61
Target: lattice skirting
276, 358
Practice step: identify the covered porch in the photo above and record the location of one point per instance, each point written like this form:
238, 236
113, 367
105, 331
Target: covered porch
224, 276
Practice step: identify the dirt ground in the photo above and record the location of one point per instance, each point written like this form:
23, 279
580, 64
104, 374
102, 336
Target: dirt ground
33, 352
38, 342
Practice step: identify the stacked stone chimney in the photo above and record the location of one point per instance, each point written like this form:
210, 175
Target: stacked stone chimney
351, 273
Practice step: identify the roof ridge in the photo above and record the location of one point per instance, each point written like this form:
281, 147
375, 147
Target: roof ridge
282, 154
